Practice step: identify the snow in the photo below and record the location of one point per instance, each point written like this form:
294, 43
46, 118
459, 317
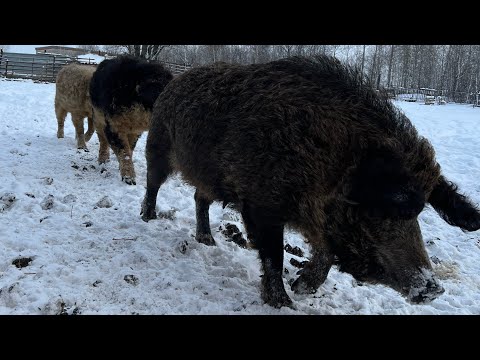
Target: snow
92, 254
25, 49
28, 49
94, 58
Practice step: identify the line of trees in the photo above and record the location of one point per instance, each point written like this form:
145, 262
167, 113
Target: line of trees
452, 68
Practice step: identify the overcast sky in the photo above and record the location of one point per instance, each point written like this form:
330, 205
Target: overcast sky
26, 49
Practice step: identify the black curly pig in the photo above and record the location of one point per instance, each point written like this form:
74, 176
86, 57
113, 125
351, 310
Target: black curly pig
305, 143
123, 91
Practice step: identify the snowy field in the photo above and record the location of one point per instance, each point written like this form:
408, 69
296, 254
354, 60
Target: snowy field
89, 259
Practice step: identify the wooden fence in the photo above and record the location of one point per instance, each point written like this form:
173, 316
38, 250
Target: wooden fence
45, 67
176, 69
419, 94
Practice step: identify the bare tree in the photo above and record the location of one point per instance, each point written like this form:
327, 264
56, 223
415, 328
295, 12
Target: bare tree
260, 53
363, 60
113, 49
372, 68
285, 50
180, 54
443, 52
90, 48
452, 68
390, 64
149, 52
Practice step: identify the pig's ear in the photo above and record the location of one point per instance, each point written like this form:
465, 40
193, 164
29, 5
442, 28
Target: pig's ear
456, 209
381, 187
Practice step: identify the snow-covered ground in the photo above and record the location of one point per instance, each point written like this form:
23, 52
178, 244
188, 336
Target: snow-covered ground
88, 259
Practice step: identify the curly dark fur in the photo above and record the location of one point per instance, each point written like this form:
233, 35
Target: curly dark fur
304, 143
453, 207
124, 81
112, 137
123, 91
383, 188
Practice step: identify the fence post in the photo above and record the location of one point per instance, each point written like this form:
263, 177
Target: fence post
54, 67
6, 67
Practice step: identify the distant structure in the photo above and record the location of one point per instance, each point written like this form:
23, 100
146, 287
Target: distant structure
69, 51
61, 50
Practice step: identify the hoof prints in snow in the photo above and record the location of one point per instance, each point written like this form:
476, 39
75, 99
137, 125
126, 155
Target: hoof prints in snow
22, 262
70, 198
293, 250
183, 247
298, 264
131, 279
47, 180
104, 202
47, 202
169, 215
6, 201
69, 258
232, 233
84, 167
